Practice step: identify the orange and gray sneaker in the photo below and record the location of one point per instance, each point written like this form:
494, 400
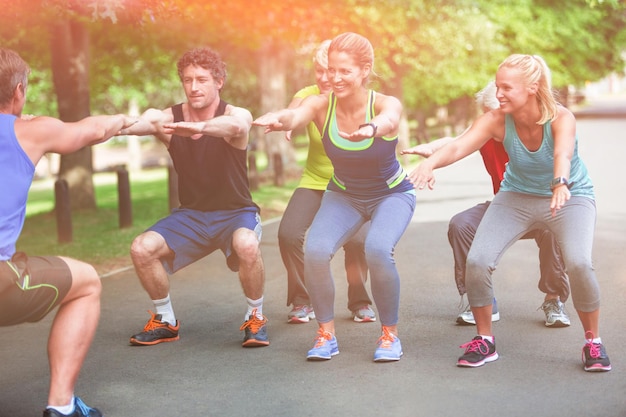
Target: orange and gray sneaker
156, 331
255, 331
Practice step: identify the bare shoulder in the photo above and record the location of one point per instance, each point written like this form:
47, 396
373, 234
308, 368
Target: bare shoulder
238, 112
564, 124
158, 116
36, 127
387, 101
491, 124
39, 135
316, 100
564, 115
385, 97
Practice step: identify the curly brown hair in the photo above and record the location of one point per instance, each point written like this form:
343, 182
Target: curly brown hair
205, 58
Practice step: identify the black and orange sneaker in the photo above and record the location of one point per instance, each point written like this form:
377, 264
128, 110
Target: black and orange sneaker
255, 331
156, 331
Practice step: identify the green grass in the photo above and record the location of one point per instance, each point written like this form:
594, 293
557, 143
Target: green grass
97, 238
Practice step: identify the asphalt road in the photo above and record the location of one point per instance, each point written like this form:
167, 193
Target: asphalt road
208, 373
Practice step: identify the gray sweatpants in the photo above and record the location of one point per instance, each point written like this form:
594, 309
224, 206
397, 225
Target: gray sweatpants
509, 217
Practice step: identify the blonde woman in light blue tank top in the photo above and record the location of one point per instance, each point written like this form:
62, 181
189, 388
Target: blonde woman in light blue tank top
546, 185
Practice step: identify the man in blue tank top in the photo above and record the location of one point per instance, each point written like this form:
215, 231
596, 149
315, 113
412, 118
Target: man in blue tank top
207, 139
33, 286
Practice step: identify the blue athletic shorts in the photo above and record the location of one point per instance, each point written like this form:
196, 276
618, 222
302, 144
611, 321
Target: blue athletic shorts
31, 287
193, 234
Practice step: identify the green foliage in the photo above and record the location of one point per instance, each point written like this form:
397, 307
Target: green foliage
429, 52
581, 40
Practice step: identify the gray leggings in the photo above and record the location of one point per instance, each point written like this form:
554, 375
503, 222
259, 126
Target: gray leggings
509, 217
461, 232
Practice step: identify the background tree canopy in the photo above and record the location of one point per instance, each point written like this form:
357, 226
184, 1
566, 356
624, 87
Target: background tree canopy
436, 51
429, 53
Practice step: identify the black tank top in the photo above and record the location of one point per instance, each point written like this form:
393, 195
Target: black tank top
212, 175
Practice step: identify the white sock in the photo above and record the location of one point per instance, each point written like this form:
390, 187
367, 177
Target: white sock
252, 305
489, 338
595, 340
64, 409
165, 309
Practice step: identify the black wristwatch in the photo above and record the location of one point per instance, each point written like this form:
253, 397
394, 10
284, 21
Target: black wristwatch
373, 127
558, 181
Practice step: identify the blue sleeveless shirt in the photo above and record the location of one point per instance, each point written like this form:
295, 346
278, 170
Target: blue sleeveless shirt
365, 169
531, 172
16, 175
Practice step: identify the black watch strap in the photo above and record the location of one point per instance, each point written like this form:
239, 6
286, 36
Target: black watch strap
374, 128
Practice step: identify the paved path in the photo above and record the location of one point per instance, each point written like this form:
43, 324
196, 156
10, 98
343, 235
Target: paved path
207, 373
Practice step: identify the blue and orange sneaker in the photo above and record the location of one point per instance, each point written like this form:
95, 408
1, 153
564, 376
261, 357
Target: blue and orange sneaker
389, 348
325, 346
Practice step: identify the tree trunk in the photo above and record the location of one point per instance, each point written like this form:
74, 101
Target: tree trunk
69, 46
273, 83
393, 87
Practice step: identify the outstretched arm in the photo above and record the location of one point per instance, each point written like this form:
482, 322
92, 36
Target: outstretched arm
485, 127
427, 149
151, 123
41, 135
295, 102
290, 119
234, 126
564, 132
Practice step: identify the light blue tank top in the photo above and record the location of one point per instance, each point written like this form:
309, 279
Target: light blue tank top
16, 173
532, 172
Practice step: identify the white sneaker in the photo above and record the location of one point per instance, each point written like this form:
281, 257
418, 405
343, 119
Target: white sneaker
555, 313
467, 317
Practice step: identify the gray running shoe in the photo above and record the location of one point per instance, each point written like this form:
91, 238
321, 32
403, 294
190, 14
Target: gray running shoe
467, 317
301, 314
555, 313
364, 314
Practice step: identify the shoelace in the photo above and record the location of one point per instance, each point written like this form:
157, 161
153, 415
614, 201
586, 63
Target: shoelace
254, 323
551, 306
153, 323
385, 341
322, 337
594, 348
84, 408
476, 345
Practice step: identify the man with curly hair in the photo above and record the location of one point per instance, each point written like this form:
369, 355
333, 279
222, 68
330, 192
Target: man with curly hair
207, 140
